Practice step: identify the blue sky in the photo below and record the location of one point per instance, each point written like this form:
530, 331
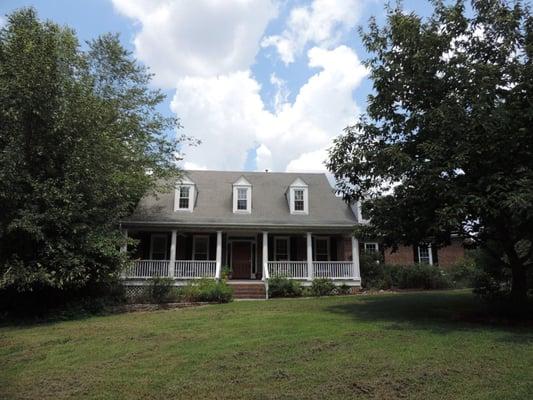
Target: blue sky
264, 84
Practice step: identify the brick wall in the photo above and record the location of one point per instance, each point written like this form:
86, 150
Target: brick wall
402, 256
447, 256
451, 254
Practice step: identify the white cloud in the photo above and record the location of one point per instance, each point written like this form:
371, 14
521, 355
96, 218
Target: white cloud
322, 23
309, 162
228, 115
197, 38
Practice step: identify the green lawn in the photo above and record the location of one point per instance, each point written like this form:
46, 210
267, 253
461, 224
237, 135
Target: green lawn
410, 345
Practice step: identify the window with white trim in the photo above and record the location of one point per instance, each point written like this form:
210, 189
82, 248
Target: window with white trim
242, 196
281, 249
200, 247
298, 197
242, 199
321, 249
371, 247
299, 201
184, 197
158, 246
425, 255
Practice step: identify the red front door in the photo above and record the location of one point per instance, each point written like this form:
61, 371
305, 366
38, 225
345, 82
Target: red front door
241, 260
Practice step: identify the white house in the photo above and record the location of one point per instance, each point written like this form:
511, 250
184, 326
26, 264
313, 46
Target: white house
258, 224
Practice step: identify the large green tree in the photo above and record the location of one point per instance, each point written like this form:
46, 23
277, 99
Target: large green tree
80, 142
446, 144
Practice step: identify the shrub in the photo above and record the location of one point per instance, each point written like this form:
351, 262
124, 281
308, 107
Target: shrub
208, 290
343, 289
423, 276
417, 276
464, 274
322, 287
161, 290
280, 286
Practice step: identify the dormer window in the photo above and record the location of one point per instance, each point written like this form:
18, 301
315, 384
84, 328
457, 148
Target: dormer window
242, 199
299, 202
298, 197
242, 196
184, 195
184, 198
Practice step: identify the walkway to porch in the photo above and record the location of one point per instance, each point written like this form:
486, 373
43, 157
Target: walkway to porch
256, 255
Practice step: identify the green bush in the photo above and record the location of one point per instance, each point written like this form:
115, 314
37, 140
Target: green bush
208, 290
162, 290
421, 276
322, 287
464, 274
417, 276
343, 289
280, 286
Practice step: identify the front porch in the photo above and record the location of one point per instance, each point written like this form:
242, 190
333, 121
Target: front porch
250, 256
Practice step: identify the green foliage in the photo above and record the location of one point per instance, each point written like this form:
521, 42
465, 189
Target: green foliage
417, 276
79, 131
465, 272
207, 290
226, 271
322, 287
446, 144
162, 290
344, 289
279, 286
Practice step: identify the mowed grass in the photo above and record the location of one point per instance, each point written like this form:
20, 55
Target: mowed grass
409, 345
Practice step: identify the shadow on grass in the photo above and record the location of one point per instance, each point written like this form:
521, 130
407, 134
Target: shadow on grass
438, 312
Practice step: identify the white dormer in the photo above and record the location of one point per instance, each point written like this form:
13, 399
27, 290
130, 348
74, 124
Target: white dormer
242, 196
185, 195
298, 197
357, 208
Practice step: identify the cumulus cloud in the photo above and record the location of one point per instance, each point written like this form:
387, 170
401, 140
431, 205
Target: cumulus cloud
197, 38
228, 115
323, 22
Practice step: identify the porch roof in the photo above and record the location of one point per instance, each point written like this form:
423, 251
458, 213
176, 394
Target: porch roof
270, 208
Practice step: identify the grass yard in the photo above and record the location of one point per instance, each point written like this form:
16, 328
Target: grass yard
409, 345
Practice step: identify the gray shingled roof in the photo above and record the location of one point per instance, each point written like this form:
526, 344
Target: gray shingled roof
269, 205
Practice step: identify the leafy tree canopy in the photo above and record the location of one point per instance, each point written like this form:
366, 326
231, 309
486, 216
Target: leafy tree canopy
446, 144
80, 143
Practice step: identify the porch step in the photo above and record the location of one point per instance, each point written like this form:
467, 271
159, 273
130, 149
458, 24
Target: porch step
248, 290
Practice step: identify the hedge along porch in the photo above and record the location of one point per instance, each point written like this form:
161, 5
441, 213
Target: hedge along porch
184, 254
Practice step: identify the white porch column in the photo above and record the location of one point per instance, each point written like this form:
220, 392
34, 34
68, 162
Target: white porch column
172, 263
355, 258
265, 256
309, 256
218, 271
124, 247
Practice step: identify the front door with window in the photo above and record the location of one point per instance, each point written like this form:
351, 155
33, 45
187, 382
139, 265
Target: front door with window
241, 260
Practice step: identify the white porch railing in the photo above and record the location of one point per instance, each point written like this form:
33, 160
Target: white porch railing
190, 269
148, 269
288, 269
183, 269
333, 269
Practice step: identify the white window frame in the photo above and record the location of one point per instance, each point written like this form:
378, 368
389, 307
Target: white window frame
328, 242
298, 184
374, 244
177, 197
194, 239
430, 255
241, 184
241, 190
158, 235
288, 241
